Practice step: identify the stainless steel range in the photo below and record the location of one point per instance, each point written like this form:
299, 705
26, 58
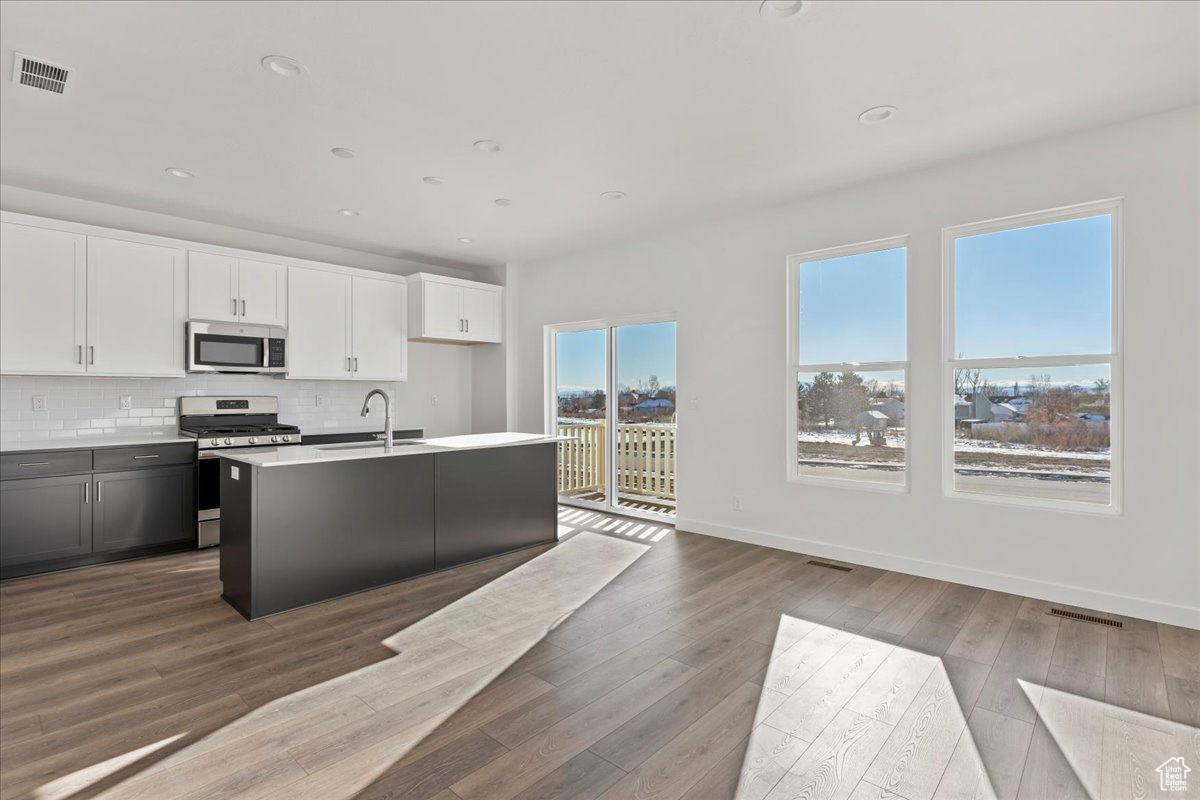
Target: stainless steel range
223, 423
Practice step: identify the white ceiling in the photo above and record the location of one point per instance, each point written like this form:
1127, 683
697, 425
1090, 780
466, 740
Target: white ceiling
692, 108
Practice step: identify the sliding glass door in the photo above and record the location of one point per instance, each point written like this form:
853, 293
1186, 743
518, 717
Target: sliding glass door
614, 394
581, 401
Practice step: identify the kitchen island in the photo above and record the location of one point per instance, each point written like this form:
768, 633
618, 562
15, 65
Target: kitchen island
301, 524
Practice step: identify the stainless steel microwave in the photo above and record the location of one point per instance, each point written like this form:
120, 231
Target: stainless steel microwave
229, 347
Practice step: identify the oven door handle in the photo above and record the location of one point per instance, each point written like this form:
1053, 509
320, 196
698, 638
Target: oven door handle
205, 454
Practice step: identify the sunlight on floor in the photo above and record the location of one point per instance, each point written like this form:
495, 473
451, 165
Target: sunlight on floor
841, 711
609, 524
442, 662
78, 781
1114, 751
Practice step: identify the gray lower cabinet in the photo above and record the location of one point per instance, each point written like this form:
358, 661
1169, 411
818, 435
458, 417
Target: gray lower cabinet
142, 508
43, 519
117, 503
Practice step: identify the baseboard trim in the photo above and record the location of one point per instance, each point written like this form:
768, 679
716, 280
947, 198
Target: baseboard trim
1126, 605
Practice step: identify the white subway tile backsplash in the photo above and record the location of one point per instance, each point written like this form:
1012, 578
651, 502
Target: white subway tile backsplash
85, 406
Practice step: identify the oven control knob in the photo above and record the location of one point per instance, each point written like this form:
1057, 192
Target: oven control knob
214, 442
274, 438
229, 441
253, 440
287, 438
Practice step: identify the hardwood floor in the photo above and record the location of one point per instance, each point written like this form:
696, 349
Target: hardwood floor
628, 661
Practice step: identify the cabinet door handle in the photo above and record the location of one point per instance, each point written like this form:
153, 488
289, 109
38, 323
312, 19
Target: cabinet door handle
234, 301
91, 354
78, 354
99, 491
86, 484
468, 325
35, 464
135, 458
243, 308
356, 363
460, 327
348, 364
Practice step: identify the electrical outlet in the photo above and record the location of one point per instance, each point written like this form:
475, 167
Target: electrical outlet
319, 400
694, 402
39, 402
126, 402
433, 400
737, 502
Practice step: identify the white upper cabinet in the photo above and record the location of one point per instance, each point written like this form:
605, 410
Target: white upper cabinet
74, 304
212, 287
481, 312
318, 343
262, 293
43, 300
380, 335
453, 310
346, 326
440, 312
228, 289
136, 308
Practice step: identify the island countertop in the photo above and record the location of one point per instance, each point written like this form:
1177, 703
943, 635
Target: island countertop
304, 454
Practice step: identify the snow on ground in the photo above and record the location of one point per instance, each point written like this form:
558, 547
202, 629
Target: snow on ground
960, 445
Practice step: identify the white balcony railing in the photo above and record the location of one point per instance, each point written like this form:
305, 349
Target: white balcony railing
645, 459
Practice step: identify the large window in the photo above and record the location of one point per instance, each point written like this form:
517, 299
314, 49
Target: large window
848, 360
1032, 373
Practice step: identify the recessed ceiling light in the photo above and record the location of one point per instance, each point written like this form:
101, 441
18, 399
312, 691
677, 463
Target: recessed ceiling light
176, 172
433, 180
487, 146
614, 195
877, 114
466, 240
783, 9
283, 66
347, 212
502, 201
342, 152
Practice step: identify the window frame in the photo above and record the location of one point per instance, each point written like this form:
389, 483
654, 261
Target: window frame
795, 367
950, 235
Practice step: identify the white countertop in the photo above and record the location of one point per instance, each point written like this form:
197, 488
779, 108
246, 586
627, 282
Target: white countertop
304, 454
93, 442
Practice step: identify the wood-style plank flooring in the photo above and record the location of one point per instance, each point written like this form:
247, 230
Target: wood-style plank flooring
627, 661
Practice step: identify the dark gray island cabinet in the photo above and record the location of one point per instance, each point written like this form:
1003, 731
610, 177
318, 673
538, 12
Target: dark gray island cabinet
305, 524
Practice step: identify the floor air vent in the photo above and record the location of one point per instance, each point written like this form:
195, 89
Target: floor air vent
827, 565
38, 74
1058, 612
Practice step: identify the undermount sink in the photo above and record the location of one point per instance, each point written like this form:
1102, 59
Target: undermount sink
364, 445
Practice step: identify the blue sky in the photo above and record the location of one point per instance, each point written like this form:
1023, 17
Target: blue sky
852, 308
642, 351
1040, 291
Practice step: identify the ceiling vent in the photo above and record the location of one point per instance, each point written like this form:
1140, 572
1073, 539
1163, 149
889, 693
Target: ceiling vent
38, 74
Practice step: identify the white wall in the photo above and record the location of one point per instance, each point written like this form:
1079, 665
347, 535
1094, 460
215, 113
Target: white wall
78, 404
725, 281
